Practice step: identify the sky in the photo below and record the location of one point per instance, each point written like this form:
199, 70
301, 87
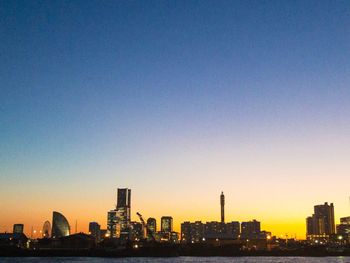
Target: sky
177, 100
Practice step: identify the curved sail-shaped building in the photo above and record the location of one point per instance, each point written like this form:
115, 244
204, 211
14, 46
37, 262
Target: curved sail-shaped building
60, 225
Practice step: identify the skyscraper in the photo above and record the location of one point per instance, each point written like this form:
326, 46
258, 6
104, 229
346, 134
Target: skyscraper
166, 224
222, 203
152, 226
321, 223
326, 212
112, 226
124, 211
118, 220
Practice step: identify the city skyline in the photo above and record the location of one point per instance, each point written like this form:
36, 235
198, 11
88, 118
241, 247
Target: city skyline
123, 217
179, 100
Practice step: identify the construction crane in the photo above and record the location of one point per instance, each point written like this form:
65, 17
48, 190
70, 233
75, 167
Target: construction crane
149, 231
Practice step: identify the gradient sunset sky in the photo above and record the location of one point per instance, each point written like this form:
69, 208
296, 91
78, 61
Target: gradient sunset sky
177, 100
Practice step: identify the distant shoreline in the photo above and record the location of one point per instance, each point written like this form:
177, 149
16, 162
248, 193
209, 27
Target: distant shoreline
168, 252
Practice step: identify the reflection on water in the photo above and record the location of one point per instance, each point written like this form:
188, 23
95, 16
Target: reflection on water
184, 259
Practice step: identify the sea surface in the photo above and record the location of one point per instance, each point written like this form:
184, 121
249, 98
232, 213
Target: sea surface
182, 259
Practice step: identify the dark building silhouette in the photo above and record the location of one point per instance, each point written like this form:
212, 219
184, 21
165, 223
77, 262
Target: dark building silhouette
60, 225
192, 232
118, 220
250, 230
166, 224
344, 227
222, 204
95, 230
13, 239
321, 224
18, 228
113, 229
233, 229
137, 231
152, 226
124, 211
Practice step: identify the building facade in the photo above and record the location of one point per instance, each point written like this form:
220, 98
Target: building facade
60, 225
152, 226
95, 231
250, 230
321, 224
18, 228
166, 224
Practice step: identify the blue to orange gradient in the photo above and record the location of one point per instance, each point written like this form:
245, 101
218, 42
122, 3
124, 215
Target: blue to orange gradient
177, 101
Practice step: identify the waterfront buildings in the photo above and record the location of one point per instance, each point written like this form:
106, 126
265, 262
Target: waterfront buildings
250, 229
321, 224
166, 224
95, 231
152, 227
118, 219
18, 228
60, 225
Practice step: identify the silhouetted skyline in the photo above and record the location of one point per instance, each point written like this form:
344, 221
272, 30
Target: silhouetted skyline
180, 100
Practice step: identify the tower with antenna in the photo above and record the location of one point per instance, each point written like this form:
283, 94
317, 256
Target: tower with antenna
222, 204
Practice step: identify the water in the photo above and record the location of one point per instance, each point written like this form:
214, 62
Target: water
181, 260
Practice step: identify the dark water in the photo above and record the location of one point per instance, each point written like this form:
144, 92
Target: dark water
185, 260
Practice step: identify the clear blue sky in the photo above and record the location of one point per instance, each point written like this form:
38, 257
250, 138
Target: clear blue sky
147, 94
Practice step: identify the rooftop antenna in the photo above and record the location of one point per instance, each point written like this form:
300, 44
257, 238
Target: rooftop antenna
76, 226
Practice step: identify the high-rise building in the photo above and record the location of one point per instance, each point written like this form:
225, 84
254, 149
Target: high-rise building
192, 232
95, 230
18, 228
112, 224
152, 226
250, 229
326, 212
222, 204
321, 223
60, 225
166, 224
124, 211
118, 220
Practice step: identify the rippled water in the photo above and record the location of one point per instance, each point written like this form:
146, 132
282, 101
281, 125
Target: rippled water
185, 260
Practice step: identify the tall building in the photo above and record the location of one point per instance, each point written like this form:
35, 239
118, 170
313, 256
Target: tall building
192, 232
95, 230
321, 223
60, 225
124, 211
250, 229
326, 212
166, 224
152, 226
118, 220
18, 228
222, 204
112, 224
